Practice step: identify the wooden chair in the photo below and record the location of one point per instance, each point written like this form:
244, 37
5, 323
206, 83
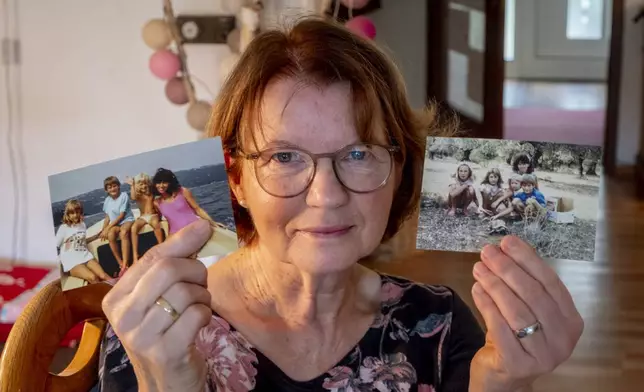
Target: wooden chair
36, 335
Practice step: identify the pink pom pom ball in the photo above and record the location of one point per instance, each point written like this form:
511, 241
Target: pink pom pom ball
363, 26
175, 91
164, 64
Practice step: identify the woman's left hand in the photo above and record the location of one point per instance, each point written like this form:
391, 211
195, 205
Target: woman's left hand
515, 289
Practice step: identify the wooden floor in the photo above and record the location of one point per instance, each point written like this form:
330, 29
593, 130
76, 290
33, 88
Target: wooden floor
554, 95
609, 293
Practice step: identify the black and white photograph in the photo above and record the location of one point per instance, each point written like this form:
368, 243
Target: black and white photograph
475, 191
107, 215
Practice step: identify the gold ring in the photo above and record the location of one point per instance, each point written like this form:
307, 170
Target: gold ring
165, 305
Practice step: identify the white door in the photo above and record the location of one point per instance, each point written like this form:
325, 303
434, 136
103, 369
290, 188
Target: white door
559, 39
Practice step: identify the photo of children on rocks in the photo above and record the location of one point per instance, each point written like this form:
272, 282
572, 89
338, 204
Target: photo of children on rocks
106, 216
477, 190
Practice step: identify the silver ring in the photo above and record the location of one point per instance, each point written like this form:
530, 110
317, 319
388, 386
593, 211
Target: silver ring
527, 331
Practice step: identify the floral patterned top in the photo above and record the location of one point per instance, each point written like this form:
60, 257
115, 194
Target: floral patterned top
423, 340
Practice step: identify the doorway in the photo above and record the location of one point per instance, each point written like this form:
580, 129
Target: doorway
556, 70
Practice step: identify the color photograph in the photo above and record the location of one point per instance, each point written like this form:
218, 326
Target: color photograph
475, 191
108, 215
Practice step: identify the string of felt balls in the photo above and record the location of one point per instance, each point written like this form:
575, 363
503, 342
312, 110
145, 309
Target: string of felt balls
361, 25
172, 65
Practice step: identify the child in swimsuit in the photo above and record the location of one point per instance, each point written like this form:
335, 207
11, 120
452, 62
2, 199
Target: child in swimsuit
141, 193
176, 203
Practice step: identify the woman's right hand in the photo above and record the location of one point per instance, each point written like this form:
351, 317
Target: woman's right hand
161, 347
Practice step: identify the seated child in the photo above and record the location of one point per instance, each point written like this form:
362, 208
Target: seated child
141, 193
531, 202
461, 193
118, 221
505, 201
71, 240
522, 164
491, 192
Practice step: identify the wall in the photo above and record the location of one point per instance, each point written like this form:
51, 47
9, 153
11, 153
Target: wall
630, 110
401, 29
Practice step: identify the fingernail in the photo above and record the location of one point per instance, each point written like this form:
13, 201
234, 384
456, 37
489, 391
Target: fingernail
480, 269
477, 288
490, 251
512, 243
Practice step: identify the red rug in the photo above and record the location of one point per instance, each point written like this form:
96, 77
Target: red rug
555, 125
16, 281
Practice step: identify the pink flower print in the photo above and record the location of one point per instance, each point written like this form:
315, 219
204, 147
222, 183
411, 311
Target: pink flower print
391, 373
229, 357
391, 293
426, 388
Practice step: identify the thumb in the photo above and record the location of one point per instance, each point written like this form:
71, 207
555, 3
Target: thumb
184, 243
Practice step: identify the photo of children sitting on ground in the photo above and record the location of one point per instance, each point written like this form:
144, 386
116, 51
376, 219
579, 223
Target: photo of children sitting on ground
475, 191
108, 215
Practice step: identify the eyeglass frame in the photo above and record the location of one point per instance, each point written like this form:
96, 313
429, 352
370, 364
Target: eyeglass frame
254, 156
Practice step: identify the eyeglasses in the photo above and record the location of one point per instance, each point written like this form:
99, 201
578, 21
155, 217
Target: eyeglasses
287, 172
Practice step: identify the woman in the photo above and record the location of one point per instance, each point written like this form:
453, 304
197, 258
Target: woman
175, 203
321, 135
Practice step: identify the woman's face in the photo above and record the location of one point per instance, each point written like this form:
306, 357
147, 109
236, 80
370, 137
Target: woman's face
523, 167
326, 228
463, 173
162, 187
493, 179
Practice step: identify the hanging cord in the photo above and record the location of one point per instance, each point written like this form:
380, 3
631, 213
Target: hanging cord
336, 11
23, 211
15, 232
174, 30
204, 85
350, 9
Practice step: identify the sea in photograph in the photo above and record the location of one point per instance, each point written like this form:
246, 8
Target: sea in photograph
208, 184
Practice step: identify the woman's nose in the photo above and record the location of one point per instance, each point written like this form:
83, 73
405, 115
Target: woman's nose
325, 189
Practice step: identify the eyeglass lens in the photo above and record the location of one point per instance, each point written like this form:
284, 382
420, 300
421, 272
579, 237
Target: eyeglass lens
286, 172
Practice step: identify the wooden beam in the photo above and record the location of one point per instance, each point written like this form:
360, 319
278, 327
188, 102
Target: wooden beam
614, 84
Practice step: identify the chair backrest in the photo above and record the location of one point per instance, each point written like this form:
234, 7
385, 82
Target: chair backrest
36, 336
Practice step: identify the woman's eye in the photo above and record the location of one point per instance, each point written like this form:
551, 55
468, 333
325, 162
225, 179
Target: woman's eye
284, 156
357, 155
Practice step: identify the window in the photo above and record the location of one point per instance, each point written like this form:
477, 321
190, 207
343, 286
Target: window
585, 20
510, 29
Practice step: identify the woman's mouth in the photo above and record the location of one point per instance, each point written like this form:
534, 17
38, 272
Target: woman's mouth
327, 231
